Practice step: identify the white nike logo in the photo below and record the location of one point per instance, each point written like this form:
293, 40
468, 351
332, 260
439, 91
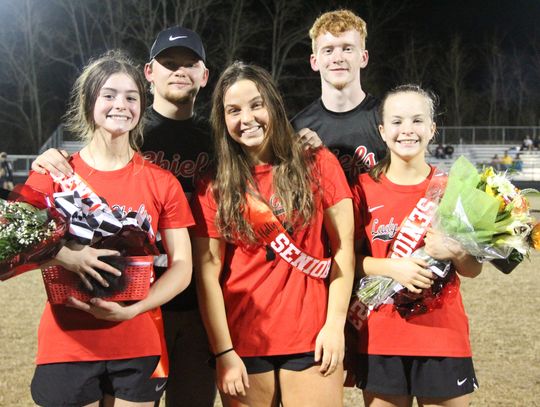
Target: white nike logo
162, 385
460, 382
374, 208
171, 38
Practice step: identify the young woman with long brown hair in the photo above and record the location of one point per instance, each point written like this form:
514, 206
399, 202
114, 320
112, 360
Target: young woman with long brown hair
273, 306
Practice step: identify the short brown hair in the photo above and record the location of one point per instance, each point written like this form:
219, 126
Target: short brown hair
337, 22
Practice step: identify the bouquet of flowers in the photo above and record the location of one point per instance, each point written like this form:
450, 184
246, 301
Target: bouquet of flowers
22, 225
30, 231
487, 215
34, 226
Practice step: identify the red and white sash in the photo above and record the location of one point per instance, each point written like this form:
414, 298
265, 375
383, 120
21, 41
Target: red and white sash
409, 237
270, 230
413, 229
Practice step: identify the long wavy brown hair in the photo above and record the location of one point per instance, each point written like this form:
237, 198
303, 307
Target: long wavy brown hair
232, 179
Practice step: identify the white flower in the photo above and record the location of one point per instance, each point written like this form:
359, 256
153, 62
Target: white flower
22, 226
515, 241
502, 184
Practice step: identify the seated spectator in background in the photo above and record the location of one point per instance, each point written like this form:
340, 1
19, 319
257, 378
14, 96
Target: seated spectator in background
439, 151
536, 142
518, 163
527, 144
495, 162
449, 151
506, 161
6, 172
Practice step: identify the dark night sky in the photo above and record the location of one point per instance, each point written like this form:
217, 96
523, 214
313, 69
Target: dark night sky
516, 20
433, 23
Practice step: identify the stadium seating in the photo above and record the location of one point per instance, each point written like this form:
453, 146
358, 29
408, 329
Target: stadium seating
481, 154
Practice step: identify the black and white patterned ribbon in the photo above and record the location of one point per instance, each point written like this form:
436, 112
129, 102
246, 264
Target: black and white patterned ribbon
90, 217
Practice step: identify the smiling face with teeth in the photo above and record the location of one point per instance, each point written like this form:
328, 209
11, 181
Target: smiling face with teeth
339, 59
117, 109
408, 125
247, 118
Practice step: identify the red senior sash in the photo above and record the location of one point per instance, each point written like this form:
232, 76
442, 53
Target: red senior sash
270, 230
411, 232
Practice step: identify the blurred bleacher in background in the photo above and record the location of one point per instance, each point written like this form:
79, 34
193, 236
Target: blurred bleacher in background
480, 143
59, 139
481, 155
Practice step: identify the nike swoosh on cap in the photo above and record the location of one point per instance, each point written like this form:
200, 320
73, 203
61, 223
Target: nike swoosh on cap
171, 38
160, 386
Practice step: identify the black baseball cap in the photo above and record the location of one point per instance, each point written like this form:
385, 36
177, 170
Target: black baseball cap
178, 37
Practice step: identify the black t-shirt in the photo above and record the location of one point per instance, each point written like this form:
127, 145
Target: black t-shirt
352, 136
184, 148
180, 146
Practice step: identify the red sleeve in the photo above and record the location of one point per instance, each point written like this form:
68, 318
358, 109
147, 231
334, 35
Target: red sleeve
176, 212
331, 178
359, 205
204, 210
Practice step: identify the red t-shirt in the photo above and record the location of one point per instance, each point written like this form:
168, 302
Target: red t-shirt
69, 335
272, 308
380, 207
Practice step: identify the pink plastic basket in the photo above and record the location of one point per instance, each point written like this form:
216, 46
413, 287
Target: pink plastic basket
61, 283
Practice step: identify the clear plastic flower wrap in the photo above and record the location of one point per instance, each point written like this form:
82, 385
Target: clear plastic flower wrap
487, 215
375, 290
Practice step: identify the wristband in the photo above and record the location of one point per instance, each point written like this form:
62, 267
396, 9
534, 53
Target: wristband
222, 353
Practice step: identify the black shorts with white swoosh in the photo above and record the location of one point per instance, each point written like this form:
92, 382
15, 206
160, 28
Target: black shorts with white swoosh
82, 383
428, 377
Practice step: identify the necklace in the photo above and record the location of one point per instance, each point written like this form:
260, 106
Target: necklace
106, 162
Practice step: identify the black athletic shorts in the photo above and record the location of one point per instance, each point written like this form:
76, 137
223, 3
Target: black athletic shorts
81, 383
262, 364
430, 377
296, 362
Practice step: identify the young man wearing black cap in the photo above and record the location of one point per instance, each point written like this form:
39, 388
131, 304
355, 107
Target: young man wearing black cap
177, 139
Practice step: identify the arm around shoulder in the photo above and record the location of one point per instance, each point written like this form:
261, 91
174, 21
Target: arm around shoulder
53, 161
